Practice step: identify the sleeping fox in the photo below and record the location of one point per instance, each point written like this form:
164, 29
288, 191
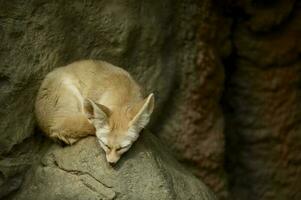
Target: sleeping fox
93, 98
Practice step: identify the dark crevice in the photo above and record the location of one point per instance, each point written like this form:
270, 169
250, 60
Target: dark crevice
4, 81
230, 66
77, 172
264, 3
280, 28
233, 10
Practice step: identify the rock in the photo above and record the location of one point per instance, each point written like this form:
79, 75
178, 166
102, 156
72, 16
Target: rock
279, 47
14, 165
193, 125
267, 15
80, 171
262, 103
263, 132
195, 130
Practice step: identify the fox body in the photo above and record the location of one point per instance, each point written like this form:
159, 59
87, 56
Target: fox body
93, 98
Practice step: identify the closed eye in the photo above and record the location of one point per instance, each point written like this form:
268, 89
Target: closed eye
105, 144
121, 148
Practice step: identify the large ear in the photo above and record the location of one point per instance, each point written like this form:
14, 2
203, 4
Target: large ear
142, 117
96, 111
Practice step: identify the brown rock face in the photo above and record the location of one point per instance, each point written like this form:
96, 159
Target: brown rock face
263, 132
262, 105
194, 125
197, 132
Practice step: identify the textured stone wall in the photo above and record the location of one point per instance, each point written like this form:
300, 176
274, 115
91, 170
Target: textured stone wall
194, 124
262, 101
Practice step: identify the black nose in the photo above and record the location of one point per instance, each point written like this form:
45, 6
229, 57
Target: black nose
112, 163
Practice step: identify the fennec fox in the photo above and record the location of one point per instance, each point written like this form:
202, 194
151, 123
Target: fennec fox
93, 98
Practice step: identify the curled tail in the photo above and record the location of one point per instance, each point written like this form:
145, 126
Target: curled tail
70, 129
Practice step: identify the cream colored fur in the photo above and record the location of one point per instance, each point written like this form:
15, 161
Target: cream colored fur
93, 98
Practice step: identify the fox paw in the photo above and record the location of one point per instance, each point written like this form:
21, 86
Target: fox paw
71, 140
66, 140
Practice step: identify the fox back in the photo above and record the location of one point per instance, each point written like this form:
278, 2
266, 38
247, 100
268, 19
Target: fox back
93, 98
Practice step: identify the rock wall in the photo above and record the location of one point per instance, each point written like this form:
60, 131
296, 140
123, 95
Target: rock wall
193, 126
262, 101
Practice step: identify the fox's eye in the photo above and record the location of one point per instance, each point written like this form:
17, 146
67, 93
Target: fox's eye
121, 148
109, 148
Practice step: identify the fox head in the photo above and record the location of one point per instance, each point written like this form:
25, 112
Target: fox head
117, 130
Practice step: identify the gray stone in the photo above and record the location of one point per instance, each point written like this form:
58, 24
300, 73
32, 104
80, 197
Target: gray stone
80, 171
